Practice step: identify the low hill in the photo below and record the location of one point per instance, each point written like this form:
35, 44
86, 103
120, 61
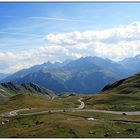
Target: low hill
122, 95
10, 89
125, 86
37, 102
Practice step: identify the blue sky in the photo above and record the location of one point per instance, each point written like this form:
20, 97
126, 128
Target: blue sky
18, 22
24, 26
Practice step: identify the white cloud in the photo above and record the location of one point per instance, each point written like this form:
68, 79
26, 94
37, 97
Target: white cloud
115, 43
122, 33
20, 34
57, 19
10, 62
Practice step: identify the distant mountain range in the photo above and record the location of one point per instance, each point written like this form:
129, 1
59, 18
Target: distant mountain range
10, 89
3, 75
132, 64
84, 75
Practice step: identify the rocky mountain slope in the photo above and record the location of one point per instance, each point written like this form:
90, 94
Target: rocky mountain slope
10, 89
84, 75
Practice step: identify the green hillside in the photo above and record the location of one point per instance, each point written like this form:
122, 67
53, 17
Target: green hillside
122, 95
37, 102
63, 124
71, 125
129, 85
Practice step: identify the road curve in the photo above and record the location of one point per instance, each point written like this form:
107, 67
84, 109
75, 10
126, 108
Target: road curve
14, 112
81, 106
17, 112
78, 109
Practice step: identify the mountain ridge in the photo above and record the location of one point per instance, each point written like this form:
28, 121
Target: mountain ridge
4, 75
84, 75
9, 89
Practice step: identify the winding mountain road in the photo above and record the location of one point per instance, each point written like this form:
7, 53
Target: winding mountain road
14, 112
81, 106
78, 109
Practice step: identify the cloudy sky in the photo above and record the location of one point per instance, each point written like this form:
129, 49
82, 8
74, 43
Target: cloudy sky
33, 33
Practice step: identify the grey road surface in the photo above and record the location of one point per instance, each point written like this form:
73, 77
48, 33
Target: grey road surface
78, 109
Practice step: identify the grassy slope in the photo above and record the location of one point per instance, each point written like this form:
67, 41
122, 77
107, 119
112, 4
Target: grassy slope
130, 85
70, 124
112, 101
36, 101
124, 96
66, 124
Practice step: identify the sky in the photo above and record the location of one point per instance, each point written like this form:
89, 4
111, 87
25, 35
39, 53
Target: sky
34, 33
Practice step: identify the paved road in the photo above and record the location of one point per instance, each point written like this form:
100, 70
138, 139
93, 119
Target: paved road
41, 112
78, 109
14, 112
106, 111
81, 106
17, 112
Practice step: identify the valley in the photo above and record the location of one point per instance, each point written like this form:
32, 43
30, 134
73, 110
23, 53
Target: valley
29, 108
66, 117
65, 123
